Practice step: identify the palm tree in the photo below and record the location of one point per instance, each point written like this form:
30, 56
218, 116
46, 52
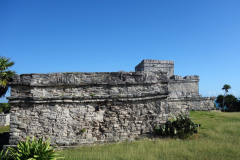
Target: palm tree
5, 75
226, 87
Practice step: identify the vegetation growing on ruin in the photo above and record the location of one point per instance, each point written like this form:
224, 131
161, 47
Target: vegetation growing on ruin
92, 95
83, 130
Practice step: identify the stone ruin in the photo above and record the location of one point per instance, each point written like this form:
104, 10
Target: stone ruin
84, 108
4, 119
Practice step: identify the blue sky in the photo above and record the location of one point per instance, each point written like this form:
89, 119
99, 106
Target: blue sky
201, 37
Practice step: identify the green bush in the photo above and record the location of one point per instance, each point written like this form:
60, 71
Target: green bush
5, 107
33, 150
182, 127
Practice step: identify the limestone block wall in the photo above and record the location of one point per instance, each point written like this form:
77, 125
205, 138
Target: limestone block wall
182, 105
109, 106
4, 119
178, 106
183, 86
202, 103
181, 90
64, 123
156, 66
184, 95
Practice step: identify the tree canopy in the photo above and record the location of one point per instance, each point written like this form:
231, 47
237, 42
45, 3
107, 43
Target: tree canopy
226, 87
228, 100
5, 74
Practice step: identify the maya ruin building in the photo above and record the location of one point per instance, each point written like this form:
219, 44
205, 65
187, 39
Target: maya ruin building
84, 108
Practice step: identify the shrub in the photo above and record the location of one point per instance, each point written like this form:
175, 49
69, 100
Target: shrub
4, 107
182, 127
34, 150
5, 156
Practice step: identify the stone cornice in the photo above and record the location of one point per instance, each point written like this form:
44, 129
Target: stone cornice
81, 79
190, 98
85, 99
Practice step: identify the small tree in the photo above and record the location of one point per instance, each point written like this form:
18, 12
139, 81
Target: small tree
5, 75
226, 87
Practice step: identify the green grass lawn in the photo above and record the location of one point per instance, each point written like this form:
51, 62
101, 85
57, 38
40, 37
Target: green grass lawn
4, 129
218, 138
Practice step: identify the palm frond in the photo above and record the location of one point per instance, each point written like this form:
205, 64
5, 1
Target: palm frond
5, 74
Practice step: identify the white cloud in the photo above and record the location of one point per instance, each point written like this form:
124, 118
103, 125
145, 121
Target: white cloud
221, 92
210, 93
234, 92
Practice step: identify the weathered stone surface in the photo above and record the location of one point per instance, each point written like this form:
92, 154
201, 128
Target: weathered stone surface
4, 120
86, 108
182, 88
202, 103
156, 66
